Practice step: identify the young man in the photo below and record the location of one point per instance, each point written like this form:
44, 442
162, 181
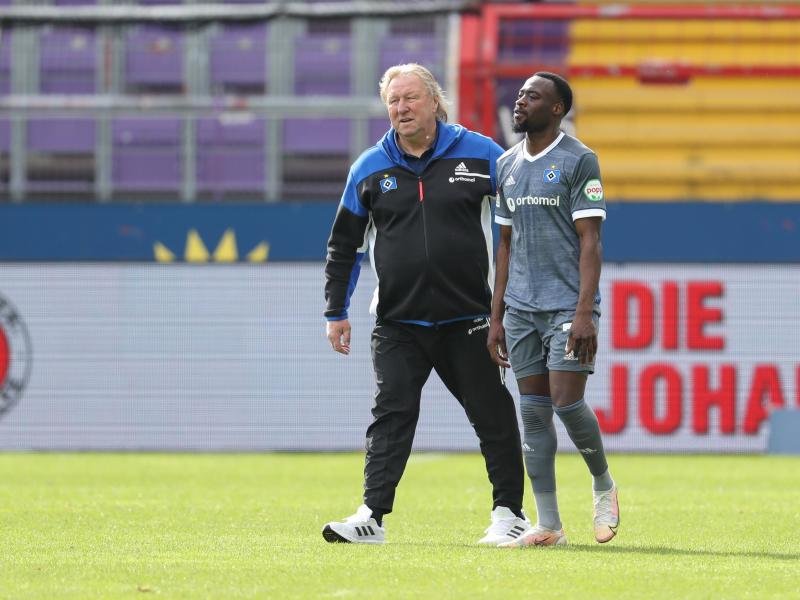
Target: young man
419, 201
546, 305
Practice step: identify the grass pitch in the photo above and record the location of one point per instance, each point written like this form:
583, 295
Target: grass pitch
248, 526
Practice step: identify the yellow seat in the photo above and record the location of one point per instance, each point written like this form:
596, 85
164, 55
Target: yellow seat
711, 138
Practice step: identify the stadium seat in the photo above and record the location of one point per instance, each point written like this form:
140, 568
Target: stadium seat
5, 146
154, 59
61, 135
399, 49
316, 157
322, 65
5, 62
67, 60
377, 127
316, 136
60, 157
238, 60
534, 42
231, 156
146, 155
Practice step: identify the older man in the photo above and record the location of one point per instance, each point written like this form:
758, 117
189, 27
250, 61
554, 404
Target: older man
420, 201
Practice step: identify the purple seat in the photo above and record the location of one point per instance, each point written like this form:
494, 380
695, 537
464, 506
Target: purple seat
322, 65
61, 136
5, 136
60, 159
74, 2
400, 49
67, 60
5, 62
316, 136
230, 156
376, 129
528, 40
238, 60
154, 59
146, 154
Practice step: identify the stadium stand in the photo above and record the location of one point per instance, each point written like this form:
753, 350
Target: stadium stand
668, 94
681, 102
673, 131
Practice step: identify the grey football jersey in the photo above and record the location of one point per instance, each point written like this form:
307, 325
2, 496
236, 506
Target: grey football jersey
540, 197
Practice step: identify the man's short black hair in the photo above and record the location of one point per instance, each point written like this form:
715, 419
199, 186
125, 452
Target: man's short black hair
562, 88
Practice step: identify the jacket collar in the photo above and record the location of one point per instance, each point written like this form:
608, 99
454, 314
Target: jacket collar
447, 135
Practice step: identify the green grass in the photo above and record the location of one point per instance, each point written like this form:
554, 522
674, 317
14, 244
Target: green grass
248, 526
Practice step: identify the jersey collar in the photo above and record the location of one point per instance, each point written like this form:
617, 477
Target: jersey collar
530, 158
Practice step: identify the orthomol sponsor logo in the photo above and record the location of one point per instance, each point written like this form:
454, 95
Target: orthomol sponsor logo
15, 355
513, 203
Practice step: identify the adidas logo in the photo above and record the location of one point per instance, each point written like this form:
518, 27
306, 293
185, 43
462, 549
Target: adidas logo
364, 530
527, 448
510, 180
461, 168
516, 531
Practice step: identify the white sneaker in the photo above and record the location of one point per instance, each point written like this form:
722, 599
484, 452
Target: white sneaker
359, 528
505, 527
606, 515
538, 536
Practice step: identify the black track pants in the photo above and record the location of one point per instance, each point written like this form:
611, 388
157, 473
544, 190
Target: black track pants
403, 356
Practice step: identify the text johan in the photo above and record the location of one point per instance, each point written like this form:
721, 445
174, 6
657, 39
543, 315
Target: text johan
688, 316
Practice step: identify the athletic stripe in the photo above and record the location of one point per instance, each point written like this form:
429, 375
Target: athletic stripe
371, 531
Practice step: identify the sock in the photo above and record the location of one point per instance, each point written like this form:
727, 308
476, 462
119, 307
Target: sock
539, 449
602, 483
377, 514
584, 431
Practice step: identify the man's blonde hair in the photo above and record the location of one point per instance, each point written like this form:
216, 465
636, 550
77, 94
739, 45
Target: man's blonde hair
428, 80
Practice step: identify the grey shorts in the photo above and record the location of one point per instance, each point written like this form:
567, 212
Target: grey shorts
537, 342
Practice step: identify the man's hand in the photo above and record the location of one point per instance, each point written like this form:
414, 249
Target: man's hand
338, 333
582, 340
496, 343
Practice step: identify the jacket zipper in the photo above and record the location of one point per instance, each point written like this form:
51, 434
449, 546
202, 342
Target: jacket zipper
424, 221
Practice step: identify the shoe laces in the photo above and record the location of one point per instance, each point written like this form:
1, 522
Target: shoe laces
603, 506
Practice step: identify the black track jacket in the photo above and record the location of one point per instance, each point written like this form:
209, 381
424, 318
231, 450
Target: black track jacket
429, 236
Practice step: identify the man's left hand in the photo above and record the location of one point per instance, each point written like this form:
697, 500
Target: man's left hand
582, 340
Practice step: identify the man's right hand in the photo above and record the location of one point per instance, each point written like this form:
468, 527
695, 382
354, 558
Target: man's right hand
496, 343
338, 333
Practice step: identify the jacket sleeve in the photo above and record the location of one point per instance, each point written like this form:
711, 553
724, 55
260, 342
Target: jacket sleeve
346, 248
